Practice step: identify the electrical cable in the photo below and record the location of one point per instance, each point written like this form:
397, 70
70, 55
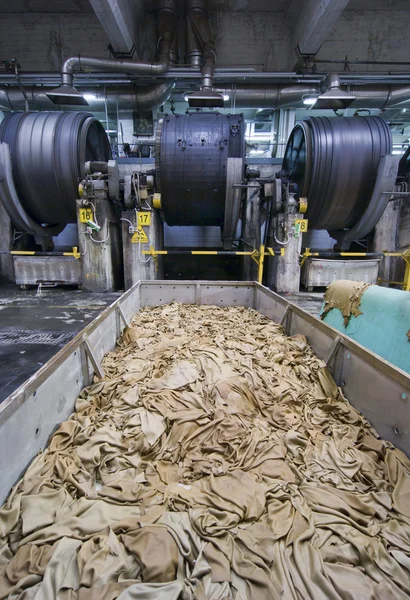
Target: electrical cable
128, 221
100, 241
283, 243
140, 256
94, 211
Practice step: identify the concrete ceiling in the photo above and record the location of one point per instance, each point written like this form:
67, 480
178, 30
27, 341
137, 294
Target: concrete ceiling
84, 6
379, 5
282, 5
249, 5
45, 6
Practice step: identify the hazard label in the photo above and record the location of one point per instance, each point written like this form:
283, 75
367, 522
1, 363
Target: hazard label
140, 237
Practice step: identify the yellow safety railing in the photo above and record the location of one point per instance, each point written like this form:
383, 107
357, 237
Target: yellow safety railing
257, 255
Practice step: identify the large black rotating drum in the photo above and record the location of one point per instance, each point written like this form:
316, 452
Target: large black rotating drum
191, 163
334, 161
48, 151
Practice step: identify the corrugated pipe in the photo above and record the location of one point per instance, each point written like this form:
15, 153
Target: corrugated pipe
197, 15
246, 96
166, 30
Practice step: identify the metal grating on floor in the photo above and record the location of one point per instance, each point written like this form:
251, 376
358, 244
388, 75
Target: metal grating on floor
36, 337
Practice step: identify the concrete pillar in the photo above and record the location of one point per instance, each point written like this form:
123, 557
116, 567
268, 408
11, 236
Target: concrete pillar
6, 244
251, 231
101, 256
284, 271
287, 120
385, 235
138, 266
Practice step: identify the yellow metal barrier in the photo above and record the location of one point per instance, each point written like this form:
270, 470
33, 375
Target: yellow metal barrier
257, 255
74, 253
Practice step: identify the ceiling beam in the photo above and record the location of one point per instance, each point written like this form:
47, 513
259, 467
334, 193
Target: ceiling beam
118, 18
310, 24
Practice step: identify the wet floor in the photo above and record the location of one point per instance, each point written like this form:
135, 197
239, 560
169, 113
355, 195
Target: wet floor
35, 327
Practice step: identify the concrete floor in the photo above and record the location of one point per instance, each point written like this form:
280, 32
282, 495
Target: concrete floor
33, 328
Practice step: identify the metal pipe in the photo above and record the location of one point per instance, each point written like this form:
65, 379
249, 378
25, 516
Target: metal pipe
223, 74
291, 96
360, 62
199, 22
193, 51
245, 96
166, 26
129, 98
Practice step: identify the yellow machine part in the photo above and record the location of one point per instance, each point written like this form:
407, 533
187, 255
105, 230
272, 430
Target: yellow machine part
156, 201
303, 205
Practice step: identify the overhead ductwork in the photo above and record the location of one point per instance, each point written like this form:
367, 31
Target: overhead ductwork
291, 96
128, 97
194, 56
199, 32
273, 96
166, 17
333, 97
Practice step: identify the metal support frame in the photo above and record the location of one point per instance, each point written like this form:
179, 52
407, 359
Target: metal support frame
234, 174
89, 351
256, 255
406, 257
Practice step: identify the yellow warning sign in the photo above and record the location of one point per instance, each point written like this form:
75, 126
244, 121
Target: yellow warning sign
144, 219
139, 237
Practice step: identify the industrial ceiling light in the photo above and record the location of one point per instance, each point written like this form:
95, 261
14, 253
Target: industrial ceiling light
309, 100
334, 97
67, 94
205, 98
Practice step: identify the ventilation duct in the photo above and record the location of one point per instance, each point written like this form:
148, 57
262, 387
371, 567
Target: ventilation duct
274, 96
334, 97
128, 97
290, 96
199, 30
166, 16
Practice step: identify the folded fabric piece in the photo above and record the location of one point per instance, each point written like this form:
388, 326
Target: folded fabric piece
217, 460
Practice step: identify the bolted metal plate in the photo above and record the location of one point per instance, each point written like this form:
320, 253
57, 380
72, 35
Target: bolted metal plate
319, 272
192, 151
